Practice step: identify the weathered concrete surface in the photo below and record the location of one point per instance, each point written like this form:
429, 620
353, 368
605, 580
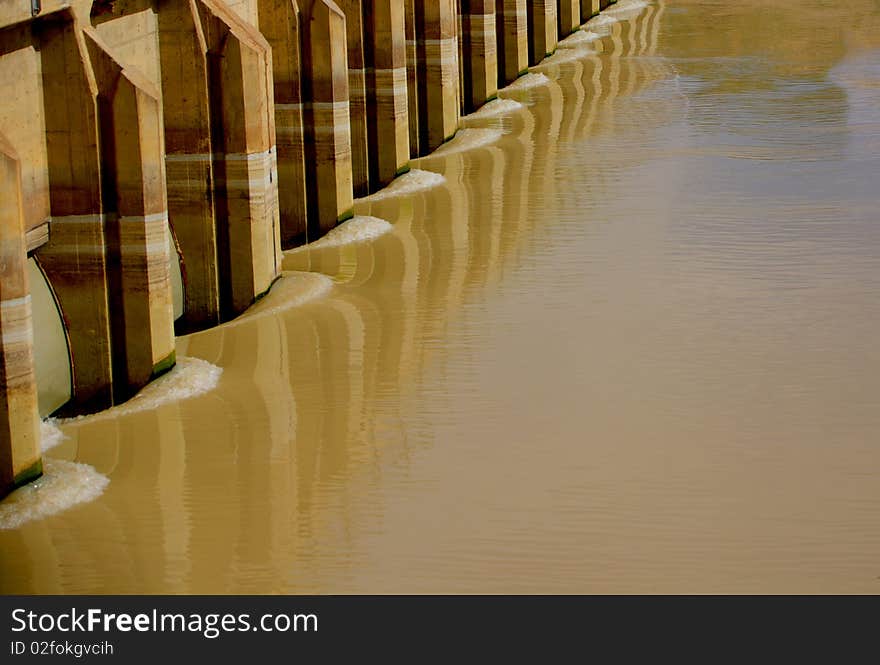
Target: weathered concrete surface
356, 30
437, 71
568, 17
22, 117
136, 221
75, 258
189, 172
589, 8
387, 91
280, 23
245, 167
512, 31
542, 29
412, 79
19, 424
479, 52
328, 135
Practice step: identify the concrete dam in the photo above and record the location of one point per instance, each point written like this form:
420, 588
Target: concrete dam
157, 156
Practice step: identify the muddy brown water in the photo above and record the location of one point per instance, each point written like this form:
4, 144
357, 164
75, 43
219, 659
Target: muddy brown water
628, 345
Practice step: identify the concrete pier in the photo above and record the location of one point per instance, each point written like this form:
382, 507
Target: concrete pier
589, 9
387, 91
328, 129
19, 430
568, 17
543, 34
479, 52
281, 24
437, 71
355, 14
512, 35
157, 155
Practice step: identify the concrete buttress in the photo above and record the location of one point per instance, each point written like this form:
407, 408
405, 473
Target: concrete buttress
328, 142
356, 32
568, 17
479, 52
244, 161
387, 91
280, 23
512, 30
437, 70
19, 429
542, 29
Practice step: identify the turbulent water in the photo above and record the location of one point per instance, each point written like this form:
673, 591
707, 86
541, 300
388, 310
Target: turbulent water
626, 343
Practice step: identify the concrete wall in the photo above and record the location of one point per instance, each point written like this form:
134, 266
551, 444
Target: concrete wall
157, 155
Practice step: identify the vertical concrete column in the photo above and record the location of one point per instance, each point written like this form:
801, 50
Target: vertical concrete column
412, 78
437, 52
568, 17
512, 30
136, 221
280, 25
357, 33
19, 429
542, 29
386, 90
188, 169
245, 166
480, 52
75, 258
589, 9
328, 144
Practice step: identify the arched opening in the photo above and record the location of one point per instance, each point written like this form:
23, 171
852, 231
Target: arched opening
52, 365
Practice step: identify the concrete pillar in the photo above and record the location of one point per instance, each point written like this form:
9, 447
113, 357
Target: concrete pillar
387, 91
188, 169
75, 258
480, 52
281, 26
512, 30
325, 89
589, 9
437, 47
357, 32
542, 29
136, 221
568, 17
244, 161
412, 78
19, 424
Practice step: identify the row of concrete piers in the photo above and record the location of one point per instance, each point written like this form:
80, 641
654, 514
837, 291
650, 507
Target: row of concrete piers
156, 157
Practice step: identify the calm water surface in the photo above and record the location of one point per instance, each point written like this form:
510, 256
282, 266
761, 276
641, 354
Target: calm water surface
629, 345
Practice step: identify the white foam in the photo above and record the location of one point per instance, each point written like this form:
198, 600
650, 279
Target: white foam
530, 80
292, 290
469, 139
359, 228
63, 485
626, 8
601, 23
413, 181
494, 108
561, 57
50, 434
580, 39
188, 378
